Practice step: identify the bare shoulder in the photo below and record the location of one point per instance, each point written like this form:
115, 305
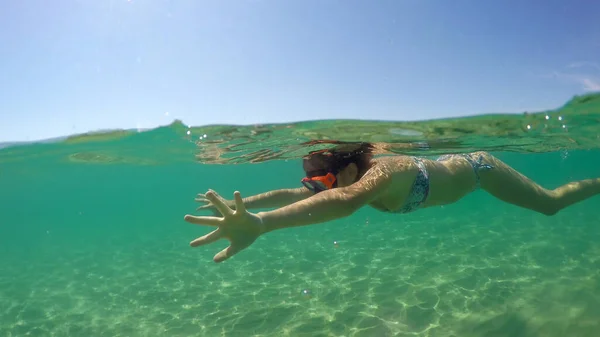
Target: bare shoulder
385, 168
380, 185
393, 164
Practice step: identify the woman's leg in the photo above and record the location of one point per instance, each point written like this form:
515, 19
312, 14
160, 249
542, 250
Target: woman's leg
507, 184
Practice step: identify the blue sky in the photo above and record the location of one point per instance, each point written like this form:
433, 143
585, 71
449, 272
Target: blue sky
76, 66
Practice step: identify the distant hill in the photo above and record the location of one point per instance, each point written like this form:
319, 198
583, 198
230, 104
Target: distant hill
50, 140
8, 144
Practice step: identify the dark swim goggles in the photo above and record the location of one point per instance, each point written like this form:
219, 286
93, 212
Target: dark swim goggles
319, 183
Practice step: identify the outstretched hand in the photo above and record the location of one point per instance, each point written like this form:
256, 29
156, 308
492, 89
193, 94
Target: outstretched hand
238, 226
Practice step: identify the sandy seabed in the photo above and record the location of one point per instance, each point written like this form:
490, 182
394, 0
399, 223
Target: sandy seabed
514, 275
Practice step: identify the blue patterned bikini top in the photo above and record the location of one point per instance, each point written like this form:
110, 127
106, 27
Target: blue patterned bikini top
419, 191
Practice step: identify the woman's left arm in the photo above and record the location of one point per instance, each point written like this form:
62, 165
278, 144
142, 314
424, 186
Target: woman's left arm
330, 204
242, 228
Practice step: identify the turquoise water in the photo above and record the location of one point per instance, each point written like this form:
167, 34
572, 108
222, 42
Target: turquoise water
93, 242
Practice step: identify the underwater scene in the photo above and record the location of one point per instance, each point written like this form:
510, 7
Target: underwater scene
93, 240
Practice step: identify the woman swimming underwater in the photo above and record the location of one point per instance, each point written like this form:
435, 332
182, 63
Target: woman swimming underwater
341, 180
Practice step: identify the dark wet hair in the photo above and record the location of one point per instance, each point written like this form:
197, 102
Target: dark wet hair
337, 158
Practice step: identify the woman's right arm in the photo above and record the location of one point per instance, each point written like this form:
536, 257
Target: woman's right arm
271, 199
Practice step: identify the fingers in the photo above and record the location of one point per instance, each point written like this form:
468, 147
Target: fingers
211, 209
203, 207
239, 203
225, 254
203, 220
207, 239
219, 203
207, 204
